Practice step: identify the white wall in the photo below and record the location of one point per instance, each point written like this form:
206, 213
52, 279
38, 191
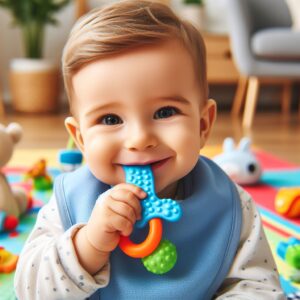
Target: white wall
11, 43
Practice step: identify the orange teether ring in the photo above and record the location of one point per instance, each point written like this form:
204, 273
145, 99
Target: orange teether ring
148, 245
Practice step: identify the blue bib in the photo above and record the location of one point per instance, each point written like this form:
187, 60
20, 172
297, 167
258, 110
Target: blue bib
206, 237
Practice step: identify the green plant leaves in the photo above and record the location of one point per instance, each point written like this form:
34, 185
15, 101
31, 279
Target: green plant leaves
42, 11
32, 16
199, 2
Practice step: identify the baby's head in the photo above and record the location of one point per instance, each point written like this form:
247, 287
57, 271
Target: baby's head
125, 26
135, 75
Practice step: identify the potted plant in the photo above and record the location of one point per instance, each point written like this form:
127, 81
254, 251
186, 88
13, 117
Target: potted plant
193, 11
34, 81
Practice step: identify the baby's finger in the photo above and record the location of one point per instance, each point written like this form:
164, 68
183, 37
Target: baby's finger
123, 209
121, 224
139, 192
129, 198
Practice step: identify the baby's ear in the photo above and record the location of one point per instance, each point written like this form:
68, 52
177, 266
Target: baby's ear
74, 131
207, 119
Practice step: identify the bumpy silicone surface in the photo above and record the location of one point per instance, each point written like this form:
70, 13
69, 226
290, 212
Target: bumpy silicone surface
152, 206
162, 260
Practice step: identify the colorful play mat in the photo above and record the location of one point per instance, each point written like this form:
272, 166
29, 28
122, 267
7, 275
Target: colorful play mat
276, 174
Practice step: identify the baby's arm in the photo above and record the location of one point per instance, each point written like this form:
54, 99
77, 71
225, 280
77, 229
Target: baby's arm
253, 274
48, 267
115, 213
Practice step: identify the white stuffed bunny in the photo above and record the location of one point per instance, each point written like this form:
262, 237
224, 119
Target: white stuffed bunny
239, 163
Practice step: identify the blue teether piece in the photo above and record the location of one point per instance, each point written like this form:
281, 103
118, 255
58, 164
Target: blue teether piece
152, 206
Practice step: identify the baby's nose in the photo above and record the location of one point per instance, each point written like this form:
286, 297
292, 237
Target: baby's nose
140, 139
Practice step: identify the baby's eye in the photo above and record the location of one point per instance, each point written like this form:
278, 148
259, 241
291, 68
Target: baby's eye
165, 112
110, 120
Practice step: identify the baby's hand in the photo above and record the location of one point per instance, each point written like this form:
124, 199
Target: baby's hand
114, 214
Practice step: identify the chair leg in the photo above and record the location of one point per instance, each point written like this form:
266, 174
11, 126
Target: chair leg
239, 97
81, 8
286, 97
251, 100
299, 105
2, 110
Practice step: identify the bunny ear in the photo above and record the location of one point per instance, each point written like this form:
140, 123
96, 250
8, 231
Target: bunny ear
228, 145
245, 144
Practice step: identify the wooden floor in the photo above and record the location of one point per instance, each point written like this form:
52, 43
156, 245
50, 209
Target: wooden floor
273, 132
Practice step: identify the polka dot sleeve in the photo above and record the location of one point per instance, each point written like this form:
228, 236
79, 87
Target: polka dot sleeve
48, 267
253, 274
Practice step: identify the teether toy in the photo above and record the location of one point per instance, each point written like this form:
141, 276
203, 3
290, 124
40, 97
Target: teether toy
158, 256
162, 259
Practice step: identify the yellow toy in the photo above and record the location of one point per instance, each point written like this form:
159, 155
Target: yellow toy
41, 179
8, 261
287, 202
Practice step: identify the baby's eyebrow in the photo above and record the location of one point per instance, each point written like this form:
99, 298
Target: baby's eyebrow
176, 98
109, 105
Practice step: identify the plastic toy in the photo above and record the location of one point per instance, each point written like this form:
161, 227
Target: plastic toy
7, 223
70, 159
13, 200
8, 261
162, 259
157, 256
290, 253
239, 163
287, 202
38, 173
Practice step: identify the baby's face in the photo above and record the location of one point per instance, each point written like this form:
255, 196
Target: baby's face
140, 107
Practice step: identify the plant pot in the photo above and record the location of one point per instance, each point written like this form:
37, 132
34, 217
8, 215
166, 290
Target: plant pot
193, 13
34, 85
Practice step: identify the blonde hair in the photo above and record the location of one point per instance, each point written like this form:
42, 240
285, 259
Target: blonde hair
126, 25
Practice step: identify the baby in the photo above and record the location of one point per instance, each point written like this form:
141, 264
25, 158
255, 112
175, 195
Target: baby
135, 75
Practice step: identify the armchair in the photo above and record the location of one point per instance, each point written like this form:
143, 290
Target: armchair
264, 47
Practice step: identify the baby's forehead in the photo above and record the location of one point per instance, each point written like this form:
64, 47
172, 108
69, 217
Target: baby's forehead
159, 70
170, 56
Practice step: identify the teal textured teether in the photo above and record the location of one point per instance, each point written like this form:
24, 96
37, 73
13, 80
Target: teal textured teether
163, 256
152, 206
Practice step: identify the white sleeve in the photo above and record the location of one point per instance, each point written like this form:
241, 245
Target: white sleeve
253, 274
48, 267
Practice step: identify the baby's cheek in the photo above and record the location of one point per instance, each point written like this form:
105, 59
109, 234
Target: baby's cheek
187, 143
101, 163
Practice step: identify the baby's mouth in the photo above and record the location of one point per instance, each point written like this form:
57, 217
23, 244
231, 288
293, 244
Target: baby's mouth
158, 164
154, 164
